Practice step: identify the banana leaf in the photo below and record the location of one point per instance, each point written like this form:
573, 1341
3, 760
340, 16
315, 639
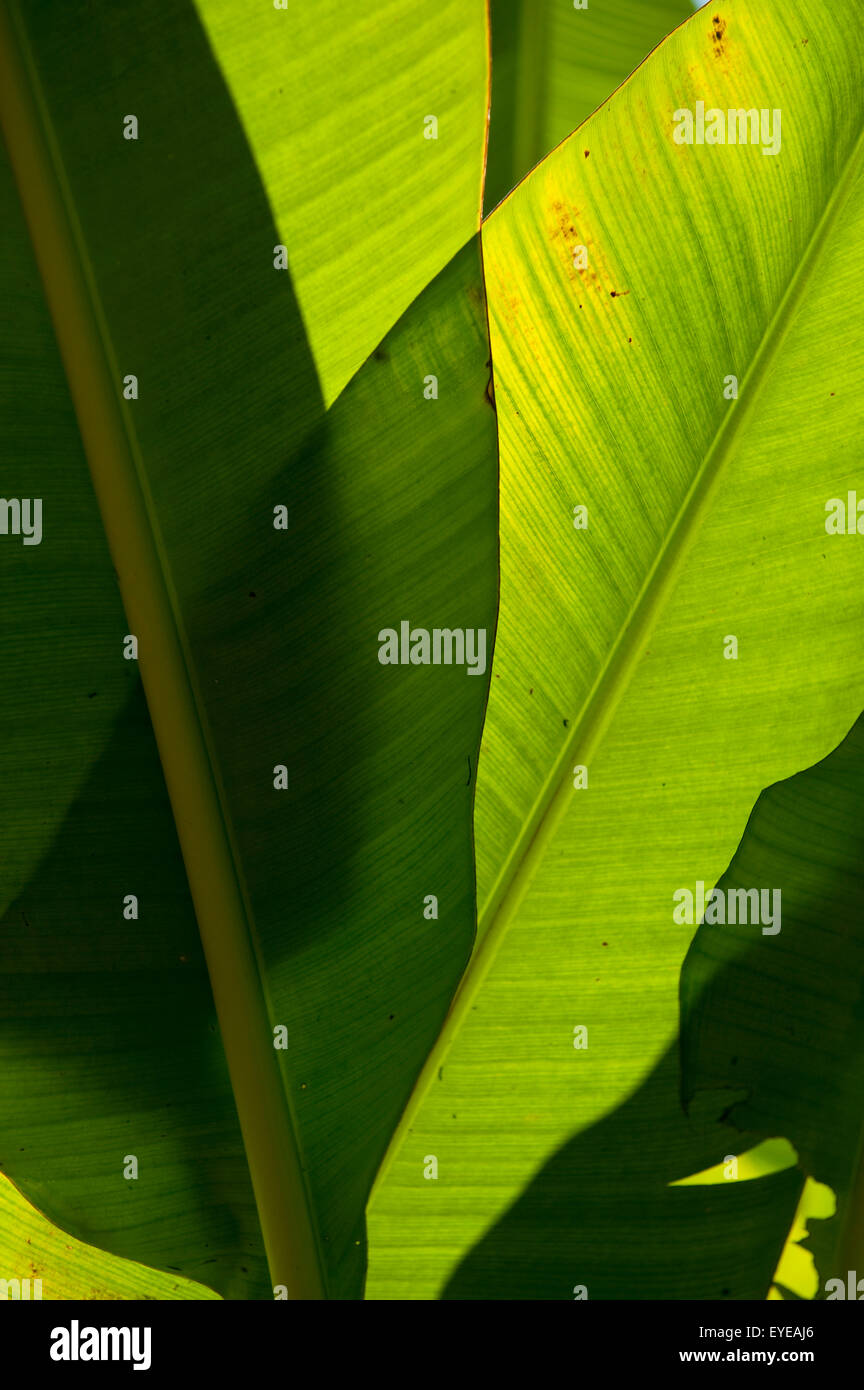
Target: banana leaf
678, 629
260, 546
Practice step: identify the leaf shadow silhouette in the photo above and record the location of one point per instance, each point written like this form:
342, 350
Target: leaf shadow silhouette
771, 1046
779, 1014
600, 1214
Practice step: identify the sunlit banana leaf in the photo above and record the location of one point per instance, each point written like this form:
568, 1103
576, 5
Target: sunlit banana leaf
368, 125
689, 638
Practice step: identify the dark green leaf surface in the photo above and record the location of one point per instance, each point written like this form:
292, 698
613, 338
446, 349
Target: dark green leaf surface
268, 639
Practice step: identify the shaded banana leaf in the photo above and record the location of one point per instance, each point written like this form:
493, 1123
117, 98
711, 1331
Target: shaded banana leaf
553, 64
625, 742
258, 650
81, 771
774, 1021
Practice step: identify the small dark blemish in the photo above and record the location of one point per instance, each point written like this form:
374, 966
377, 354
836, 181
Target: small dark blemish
566, 723
587, 152
94, 693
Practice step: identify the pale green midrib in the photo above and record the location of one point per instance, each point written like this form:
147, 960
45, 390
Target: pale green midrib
296, 1272
591, 723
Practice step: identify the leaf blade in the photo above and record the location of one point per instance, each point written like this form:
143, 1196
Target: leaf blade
595, 409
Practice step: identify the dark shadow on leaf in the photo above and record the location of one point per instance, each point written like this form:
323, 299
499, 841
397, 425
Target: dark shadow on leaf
600, 1214
282, 624
110, 1044
180, 238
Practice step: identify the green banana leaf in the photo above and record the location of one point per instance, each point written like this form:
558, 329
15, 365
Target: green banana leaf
370, 198
257, 647
626, 739
553, 64
541, 1177
771, 1023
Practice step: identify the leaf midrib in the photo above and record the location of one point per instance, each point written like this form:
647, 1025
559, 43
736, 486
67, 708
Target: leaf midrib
614, 677
177, 711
